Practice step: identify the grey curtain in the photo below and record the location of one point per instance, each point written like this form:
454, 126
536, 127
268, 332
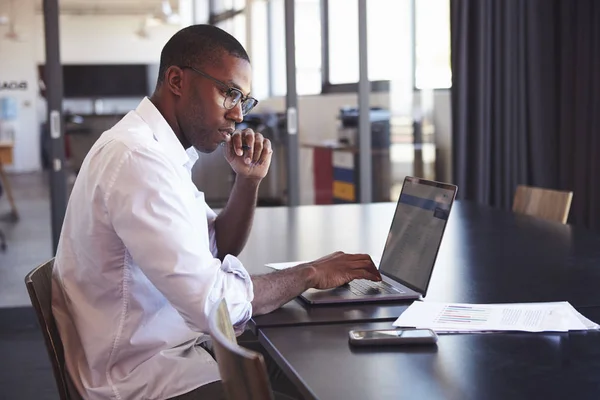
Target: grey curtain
526, 100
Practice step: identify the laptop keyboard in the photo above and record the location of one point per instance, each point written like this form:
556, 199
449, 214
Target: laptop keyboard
361, 287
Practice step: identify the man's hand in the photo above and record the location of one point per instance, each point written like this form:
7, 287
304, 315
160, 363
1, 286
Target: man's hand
339, 268
249, 154
273, 290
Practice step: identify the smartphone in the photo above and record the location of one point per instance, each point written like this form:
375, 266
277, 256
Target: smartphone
393, 337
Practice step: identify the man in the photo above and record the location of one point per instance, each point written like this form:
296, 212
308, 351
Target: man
142, 259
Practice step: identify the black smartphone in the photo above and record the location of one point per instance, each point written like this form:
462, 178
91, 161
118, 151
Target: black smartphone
392, 337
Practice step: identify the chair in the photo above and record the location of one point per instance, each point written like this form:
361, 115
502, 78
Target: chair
39, 287
243, 372
552, 205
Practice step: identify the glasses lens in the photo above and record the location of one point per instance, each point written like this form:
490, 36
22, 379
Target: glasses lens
248, 105
232, 99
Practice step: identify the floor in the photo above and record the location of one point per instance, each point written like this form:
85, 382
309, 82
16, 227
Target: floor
25, 371
29, 240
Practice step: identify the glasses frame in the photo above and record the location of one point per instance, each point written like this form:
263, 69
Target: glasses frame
229, 89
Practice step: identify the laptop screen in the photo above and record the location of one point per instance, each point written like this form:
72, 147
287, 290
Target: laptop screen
416, 232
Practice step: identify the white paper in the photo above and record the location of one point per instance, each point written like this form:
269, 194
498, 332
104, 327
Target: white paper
285, 265
290, 264
528, 317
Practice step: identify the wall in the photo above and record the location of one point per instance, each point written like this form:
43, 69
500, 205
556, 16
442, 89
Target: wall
104, 40
84, 39
16, 65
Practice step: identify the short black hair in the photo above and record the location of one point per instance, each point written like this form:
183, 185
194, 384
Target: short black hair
197, 45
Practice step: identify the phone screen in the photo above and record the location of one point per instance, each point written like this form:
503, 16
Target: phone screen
410, 333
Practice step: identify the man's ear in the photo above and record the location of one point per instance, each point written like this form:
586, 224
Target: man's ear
174, 79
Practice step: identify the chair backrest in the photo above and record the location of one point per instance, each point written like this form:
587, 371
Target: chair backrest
243, 372
39, 287
548, 204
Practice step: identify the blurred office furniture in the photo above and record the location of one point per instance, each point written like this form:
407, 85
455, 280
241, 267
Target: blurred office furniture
8, 127
6, 157
336, 165
39, 287
243, 372
213, 175
552, 205
82, 131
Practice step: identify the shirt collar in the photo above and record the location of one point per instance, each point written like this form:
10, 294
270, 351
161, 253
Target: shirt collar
164, 134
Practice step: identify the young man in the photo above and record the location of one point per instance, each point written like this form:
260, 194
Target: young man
142, 259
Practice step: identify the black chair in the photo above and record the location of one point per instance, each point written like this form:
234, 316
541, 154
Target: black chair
39, 287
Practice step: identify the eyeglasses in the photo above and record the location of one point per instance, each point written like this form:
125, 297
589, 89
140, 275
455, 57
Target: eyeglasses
233, 96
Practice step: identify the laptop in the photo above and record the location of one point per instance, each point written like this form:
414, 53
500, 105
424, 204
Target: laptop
410, 250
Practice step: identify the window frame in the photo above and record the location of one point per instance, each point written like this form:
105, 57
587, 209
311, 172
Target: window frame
376, 86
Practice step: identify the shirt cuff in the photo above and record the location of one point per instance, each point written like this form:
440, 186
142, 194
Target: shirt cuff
234, 284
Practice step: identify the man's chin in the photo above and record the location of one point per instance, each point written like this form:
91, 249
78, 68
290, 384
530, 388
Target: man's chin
205, 150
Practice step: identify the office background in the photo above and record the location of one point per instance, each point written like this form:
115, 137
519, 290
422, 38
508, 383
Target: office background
487, 94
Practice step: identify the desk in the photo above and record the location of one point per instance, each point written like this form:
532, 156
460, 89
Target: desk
487, 256
321, 363
6, 157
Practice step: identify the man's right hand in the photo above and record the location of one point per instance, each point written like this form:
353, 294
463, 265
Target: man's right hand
339, 268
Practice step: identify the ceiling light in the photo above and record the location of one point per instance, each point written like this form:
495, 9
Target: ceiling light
166, 14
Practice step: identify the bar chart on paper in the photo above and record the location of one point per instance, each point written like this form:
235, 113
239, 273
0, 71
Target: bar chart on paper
467, 315
462, 318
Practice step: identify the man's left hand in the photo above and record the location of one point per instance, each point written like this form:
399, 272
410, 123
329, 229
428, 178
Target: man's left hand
249, 154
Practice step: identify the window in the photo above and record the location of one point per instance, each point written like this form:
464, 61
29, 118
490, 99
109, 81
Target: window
387, 34
236, 26
390, 41
343, 41
308, 47
259, 49
277, 44
432, 44
226, 5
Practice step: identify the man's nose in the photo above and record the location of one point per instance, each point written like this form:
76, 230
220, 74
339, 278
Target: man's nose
236, 114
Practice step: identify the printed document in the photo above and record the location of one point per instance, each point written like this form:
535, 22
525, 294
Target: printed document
528, 317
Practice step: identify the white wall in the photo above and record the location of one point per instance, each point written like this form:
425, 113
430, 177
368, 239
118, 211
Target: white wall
104, 40
17, 65
84, 39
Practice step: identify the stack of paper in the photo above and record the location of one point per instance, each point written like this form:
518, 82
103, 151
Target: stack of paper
528, 317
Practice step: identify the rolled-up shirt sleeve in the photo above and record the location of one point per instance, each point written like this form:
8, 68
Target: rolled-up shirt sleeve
153, 210
211, 218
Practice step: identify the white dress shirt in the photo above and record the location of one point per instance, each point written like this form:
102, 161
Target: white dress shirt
136, 273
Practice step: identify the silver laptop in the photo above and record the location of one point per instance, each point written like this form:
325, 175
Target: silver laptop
410, 250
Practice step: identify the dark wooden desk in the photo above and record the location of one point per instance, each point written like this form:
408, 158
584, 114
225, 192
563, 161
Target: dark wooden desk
487, 256
319, 360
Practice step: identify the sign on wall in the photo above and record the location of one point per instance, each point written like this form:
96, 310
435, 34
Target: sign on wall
13, 85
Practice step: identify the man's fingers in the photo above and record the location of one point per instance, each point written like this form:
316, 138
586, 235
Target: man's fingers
236, 143
372, 275
258, 147
358, 257
248, 140
266, 151
365, 265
